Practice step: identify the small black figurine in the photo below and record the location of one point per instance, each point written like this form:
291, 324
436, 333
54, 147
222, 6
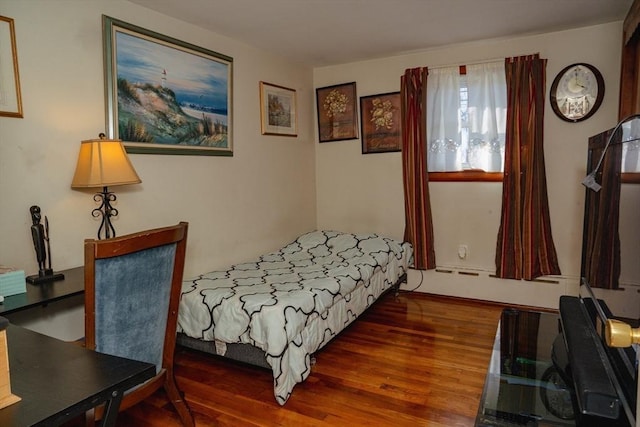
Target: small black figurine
40, 236
37, 234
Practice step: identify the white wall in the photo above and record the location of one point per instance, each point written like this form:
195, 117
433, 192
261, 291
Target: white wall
364, 192
237, 206
273, 188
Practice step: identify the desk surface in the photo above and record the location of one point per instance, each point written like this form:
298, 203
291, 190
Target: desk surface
59, 380
73, 284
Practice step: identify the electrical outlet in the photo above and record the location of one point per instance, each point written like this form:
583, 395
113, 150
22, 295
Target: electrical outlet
463, 251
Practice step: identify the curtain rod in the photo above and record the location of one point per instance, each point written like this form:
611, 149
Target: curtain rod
484, 61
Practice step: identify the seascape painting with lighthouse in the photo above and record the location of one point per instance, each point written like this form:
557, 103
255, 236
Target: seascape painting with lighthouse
170, 95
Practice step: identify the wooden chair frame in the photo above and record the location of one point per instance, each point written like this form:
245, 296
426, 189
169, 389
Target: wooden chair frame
100, 249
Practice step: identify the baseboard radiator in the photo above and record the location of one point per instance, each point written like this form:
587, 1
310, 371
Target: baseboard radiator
544, 292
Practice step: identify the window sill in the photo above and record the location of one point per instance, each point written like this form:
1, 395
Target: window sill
627, 178
466, 176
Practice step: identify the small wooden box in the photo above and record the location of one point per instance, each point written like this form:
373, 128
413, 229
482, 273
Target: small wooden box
6, 397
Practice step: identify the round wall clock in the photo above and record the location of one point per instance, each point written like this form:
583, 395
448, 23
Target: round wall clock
577, 92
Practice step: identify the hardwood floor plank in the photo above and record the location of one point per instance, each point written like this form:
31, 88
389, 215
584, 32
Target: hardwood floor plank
410, 360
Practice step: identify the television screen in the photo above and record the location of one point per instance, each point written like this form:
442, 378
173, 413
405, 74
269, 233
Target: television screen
610, 267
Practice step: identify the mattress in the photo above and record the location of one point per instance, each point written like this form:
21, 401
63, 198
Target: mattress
292, 302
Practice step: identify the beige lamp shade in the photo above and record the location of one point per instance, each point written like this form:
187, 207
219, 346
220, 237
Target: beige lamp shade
103, 163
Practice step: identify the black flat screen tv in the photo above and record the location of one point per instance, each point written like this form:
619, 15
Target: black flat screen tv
611, 248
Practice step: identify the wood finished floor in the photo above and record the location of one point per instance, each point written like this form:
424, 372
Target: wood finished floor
410, 360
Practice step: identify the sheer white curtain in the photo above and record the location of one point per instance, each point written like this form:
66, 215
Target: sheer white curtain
443, 120
466, 118
487, 115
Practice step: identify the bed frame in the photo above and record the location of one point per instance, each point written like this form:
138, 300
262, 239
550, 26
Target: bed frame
279, 310
246, 353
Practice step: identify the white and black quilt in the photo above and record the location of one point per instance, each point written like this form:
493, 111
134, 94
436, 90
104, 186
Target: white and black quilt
290, 303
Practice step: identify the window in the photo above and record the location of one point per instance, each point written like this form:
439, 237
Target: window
631, 148
466, 121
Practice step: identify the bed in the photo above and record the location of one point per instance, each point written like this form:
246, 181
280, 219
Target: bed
278, 310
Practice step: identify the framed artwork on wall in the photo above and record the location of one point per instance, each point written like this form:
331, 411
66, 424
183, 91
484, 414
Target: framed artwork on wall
278, 110
166, 96
337, 112
381, 123
10, 97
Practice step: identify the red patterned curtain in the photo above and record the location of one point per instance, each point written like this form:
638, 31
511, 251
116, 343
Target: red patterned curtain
525, 248
417, 206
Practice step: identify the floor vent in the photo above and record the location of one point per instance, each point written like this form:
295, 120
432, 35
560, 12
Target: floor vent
546, 281
468, 273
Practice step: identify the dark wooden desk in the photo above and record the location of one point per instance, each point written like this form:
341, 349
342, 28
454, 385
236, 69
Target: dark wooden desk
42, 294
58, 380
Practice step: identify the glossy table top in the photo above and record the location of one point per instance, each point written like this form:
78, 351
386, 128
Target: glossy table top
59, 380
523, 387
44, 293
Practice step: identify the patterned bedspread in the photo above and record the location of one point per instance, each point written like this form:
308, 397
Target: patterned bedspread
290, 303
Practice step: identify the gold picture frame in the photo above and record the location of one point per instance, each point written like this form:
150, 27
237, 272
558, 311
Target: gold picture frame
10, 97
337, 112
278, 110
381, 123
193, 87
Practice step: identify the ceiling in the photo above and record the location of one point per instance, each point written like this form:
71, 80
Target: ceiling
327, 32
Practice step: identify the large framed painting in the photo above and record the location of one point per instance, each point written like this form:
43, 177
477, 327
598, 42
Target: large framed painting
278, 110
337, 112
166, 96
381, 123
10, 98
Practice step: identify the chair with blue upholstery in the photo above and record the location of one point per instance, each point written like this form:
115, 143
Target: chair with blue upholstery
132, 291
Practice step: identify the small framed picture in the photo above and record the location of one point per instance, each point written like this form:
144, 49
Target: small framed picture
278, 110
10, 98
337, 112
381, 123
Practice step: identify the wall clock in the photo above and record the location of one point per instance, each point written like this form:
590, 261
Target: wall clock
577, 92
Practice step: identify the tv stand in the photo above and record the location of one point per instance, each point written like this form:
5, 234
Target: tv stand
523, 386
530, 379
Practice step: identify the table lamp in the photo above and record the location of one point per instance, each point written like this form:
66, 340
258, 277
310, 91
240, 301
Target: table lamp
104, 163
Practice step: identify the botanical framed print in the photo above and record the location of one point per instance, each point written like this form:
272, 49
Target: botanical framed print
10, 97
166, 96
381, 123
278, 110
337, 112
